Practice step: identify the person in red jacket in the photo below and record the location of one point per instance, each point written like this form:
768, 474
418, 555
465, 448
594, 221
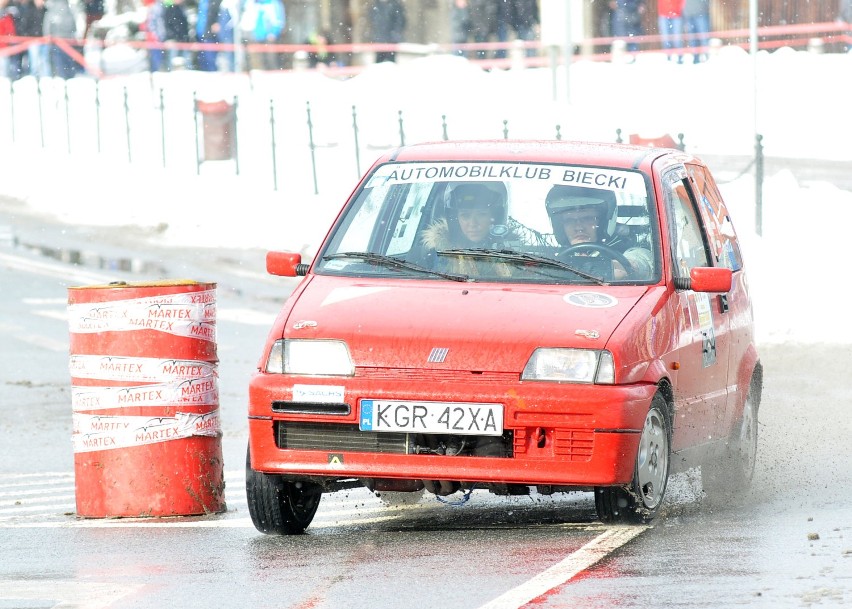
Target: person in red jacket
670, 22
7, 28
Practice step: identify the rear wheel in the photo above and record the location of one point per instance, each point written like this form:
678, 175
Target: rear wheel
278, 506
640, 501
732, 472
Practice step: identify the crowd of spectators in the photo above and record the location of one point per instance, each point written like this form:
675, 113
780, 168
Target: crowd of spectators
200, 34
481, 21
169, 26
675, 18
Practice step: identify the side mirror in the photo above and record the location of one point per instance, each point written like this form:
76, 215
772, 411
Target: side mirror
706, 279
285, 264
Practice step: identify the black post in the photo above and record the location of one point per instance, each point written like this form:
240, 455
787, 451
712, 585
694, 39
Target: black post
401, 131
357, 146
558, 132
98, 113
618, 139
127, 125
12, 106
234, 139
197, 135
758, 184
67, 118
444, 126
40, 112
163, 127
505, 129
680, 145
272, 129
313, 148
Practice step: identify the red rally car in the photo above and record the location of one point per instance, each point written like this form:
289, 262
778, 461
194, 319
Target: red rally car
514, 316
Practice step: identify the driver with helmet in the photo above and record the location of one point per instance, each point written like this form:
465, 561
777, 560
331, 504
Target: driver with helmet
584, 223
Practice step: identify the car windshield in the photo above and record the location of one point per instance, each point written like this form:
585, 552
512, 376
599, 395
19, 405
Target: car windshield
497, 221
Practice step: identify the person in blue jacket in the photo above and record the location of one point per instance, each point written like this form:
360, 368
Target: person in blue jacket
627, 20
262, 22
207, 32
228, 14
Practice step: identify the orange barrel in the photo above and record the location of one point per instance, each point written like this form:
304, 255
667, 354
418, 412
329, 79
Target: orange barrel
219, 123
145, 396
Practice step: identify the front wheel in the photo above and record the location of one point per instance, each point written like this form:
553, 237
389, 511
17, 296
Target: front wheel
278, 506
640, 501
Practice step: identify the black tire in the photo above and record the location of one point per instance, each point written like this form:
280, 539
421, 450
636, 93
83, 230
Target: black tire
278, 506
731, 473
640, 501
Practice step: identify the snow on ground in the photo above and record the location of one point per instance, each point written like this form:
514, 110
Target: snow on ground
801, 110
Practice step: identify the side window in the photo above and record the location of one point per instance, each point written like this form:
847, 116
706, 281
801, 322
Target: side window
402, 238
355, 236
386, 220
689, 249
720, 229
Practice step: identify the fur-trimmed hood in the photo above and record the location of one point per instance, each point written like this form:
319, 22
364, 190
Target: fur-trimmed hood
436, 237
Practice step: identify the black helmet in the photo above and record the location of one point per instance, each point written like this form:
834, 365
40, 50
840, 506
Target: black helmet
563, 197
466, 195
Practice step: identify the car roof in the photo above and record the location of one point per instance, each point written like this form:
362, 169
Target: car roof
602, 154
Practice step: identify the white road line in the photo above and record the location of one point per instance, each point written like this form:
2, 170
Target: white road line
68, 593
41, 505
36, 475
42, 475
40, 491
62, 271
19, 333
222, 523
47, 494
44, 500
44, 342
60, 314
602, 545
45, 301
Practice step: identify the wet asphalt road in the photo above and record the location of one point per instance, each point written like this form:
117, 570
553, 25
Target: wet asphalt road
787, 543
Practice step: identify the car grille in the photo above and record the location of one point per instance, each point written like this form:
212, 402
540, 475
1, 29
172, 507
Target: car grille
337, 437
311, 408
575, 444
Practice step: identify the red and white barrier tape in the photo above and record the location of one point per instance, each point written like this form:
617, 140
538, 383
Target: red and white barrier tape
98, 432
191, 315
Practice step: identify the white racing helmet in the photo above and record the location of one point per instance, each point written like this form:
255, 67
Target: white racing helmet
563, 198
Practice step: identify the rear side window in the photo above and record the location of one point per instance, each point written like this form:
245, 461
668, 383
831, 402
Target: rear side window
689, 248
720, 231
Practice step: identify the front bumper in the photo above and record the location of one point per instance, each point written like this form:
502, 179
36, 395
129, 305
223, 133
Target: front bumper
560, 434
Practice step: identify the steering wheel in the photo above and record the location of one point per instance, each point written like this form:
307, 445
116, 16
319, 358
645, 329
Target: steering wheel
604, 250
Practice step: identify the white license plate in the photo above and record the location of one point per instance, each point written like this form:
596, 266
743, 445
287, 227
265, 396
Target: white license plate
456, 418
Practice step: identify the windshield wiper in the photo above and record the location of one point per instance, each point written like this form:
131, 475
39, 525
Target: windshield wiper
513, 256
395, 263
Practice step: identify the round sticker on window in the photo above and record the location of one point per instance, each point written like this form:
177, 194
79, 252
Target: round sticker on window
592, 300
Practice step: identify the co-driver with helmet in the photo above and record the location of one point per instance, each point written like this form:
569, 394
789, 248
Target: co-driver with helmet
476, 216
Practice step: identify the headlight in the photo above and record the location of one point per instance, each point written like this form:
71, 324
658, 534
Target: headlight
311, 357
570, 366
